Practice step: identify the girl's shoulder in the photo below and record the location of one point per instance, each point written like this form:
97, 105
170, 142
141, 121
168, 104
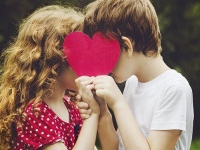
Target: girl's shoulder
38, 113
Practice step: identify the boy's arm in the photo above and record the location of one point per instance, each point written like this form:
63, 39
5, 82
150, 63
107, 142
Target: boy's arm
134, 139
106, 131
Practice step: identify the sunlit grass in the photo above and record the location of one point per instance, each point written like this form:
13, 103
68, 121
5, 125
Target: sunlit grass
195, 144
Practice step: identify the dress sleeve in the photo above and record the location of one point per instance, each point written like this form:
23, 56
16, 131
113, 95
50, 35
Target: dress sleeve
38, 131
172, 110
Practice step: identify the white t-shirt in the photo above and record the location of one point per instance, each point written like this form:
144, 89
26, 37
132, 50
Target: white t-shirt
164, 103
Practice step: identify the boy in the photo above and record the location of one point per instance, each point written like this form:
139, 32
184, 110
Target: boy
156, 109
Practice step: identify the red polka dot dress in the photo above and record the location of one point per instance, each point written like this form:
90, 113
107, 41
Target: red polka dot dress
47, 128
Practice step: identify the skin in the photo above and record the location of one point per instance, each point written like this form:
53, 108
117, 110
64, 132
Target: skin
55, 102
145, 68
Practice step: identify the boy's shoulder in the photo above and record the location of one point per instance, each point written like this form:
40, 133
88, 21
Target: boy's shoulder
167, 80
174, 78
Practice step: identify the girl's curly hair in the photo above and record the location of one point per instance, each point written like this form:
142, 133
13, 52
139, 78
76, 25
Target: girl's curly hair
32, 63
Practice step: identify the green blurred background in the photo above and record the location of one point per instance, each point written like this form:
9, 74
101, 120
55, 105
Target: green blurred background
180, 27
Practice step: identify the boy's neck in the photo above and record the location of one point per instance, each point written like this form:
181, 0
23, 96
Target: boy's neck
150, 68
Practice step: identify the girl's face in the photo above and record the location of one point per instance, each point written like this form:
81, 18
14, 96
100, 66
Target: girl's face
67, 79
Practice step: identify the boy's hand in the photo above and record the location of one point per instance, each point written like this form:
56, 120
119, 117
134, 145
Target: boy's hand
107, 89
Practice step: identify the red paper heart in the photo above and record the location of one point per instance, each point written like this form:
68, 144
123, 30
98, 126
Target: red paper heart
91, 57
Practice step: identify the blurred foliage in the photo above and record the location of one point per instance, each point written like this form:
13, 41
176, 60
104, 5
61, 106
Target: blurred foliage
180, 27
179, 23
195, 144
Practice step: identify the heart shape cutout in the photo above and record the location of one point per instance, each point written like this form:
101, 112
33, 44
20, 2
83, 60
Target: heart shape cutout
91, 57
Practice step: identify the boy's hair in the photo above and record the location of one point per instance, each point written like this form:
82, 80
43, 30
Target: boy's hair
135, 19
33, 62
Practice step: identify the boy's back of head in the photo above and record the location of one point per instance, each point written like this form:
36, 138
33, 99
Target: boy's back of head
135, 19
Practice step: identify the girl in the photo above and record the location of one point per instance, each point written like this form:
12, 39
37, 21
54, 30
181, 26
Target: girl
34, 111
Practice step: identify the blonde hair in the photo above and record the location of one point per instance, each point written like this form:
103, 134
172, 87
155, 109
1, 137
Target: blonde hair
33, 62
135, 19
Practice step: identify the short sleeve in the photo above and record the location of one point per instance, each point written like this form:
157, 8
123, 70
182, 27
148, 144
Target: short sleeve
38, 131
171, 112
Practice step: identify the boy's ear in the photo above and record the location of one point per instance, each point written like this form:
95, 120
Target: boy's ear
128, 45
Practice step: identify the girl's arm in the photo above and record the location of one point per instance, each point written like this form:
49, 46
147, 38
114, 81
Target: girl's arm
106, 131
87, 136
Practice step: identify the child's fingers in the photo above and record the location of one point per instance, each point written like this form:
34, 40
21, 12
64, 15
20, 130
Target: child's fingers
85, 116
85, 111
99, 86
84, 80
87, 83
82, 105
90, 86
81, 78
78, 97
100, 93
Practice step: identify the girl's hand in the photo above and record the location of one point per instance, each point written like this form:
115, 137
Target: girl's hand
107, 89
85, 87
84, 109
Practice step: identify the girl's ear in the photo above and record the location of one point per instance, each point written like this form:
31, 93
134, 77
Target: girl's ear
128, 45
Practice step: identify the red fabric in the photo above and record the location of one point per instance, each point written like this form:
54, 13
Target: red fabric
47, 128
